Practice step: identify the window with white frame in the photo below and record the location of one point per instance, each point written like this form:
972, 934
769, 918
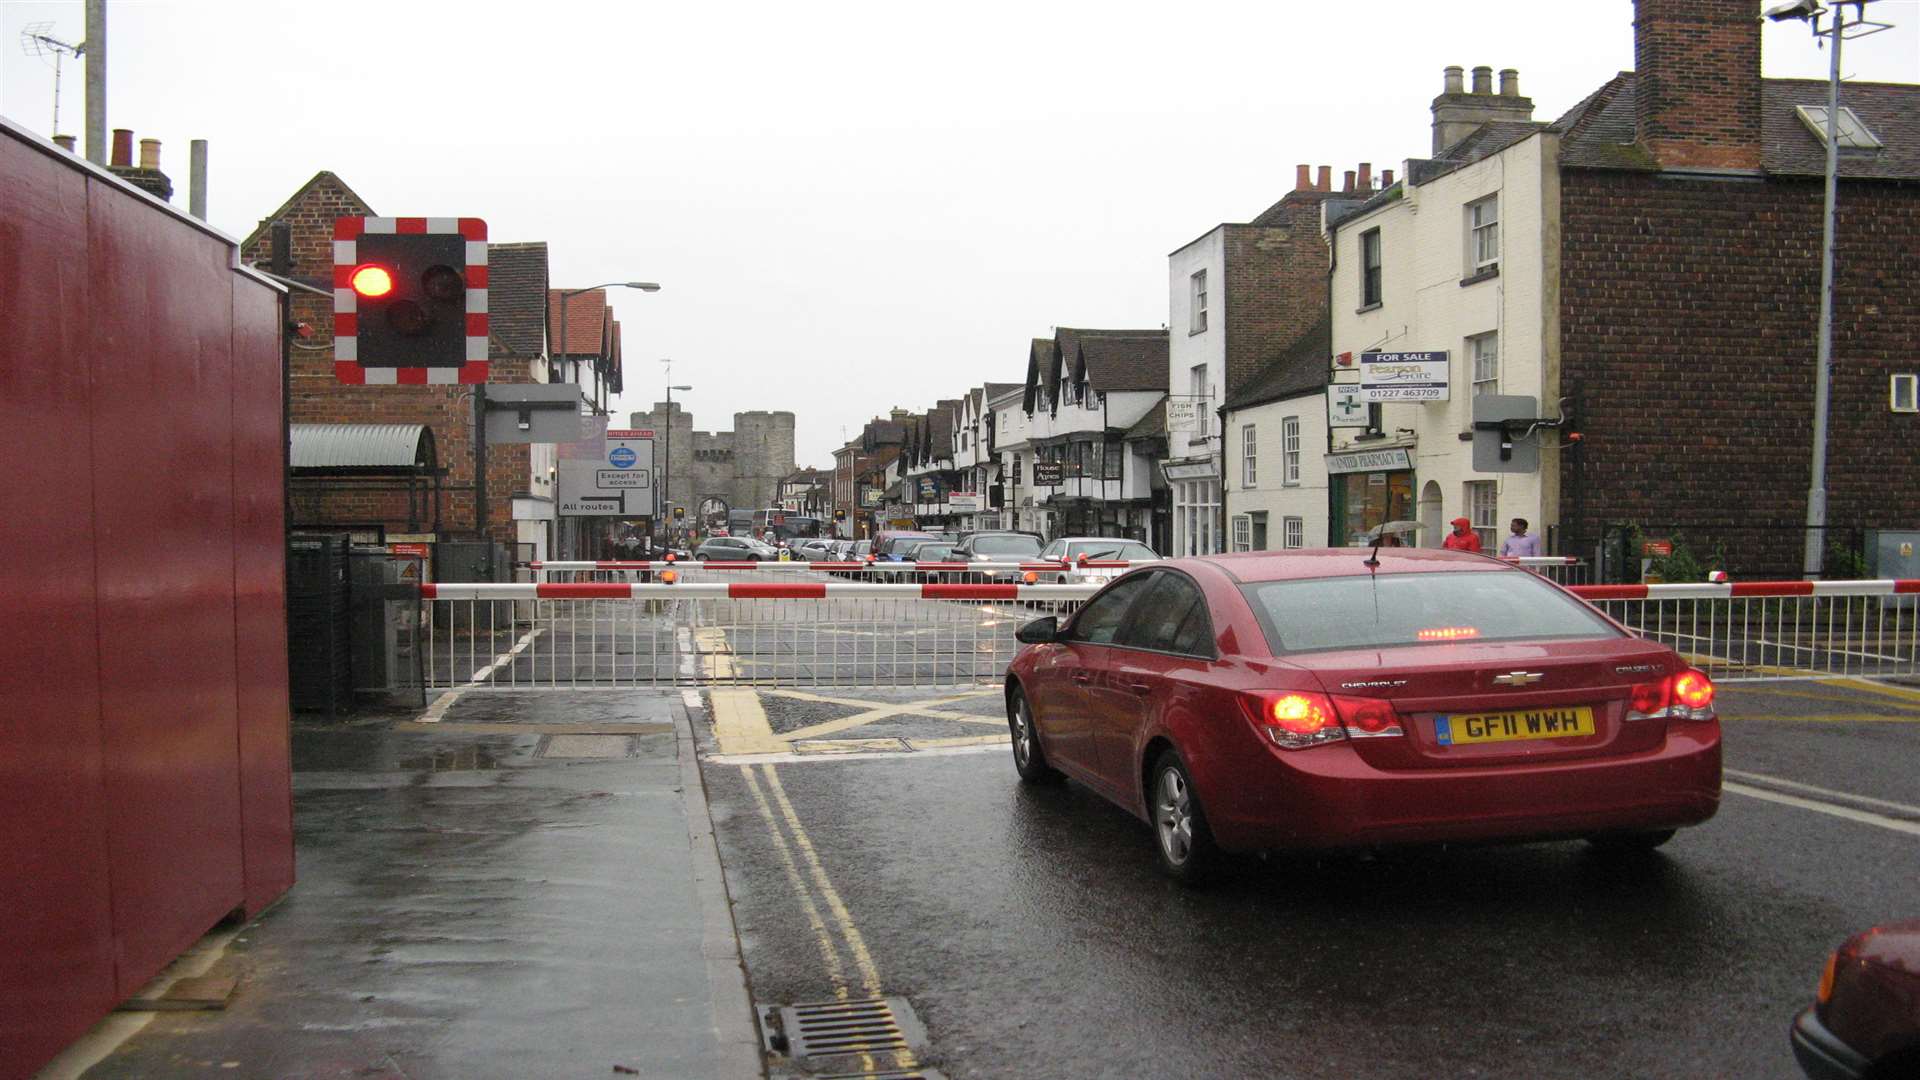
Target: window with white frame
1483, 352
1016, 470
1483, 509
1290, 450
1242, 533
1248, 452
1901, 393
1293, 532
1197, 393
1370, 268
1483, 235
1197, 302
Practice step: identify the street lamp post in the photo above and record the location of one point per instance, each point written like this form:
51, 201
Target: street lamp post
1839, 30
666, 471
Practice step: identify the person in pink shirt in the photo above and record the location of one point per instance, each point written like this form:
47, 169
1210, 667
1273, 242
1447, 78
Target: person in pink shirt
1520, 543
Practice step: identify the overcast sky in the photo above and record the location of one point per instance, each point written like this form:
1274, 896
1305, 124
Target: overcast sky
850, 206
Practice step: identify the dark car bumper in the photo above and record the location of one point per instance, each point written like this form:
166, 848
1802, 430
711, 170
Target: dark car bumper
1821, 1053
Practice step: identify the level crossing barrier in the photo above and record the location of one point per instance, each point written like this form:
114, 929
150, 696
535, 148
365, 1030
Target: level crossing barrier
1760, 630
783, 628
791, 632
1028, 572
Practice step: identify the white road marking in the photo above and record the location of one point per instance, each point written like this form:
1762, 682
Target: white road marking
445, 701
1847, 796
1911, 828
890, 755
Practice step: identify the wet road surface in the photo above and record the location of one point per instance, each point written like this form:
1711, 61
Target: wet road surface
1033, 933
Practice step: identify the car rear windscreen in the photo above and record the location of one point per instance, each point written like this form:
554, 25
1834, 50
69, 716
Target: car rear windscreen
1386, 610
1006, 545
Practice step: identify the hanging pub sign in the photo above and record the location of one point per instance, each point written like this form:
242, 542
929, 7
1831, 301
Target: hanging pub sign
1048, 473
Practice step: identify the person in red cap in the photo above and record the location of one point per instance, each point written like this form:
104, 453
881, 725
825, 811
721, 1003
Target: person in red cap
1462, 538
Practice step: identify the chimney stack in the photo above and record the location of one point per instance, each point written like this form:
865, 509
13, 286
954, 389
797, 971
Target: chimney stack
1366, 176
1697, 83
1455, 80
1303, 178
1349, 188
1386, 178
146, 175
1326, 179
64, 142
1457, 115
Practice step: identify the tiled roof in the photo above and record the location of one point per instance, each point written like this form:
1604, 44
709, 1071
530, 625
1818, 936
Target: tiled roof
1598, 133
1116, 360
995, 389
516, 292
1300, 368
584, 324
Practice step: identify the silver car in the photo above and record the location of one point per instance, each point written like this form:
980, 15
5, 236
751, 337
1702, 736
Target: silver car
1070, 549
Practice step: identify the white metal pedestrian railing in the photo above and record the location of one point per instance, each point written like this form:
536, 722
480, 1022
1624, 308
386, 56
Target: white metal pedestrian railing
1756, 630
688, 570
792, 632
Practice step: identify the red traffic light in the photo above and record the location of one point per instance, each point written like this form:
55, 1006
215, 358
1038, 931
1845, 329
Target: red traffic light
372, 281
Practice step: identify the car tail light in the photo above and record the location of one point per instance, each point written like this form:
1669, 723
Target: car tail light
1368, 718
1693, 691
1298, 719
1686, 696
1825, 992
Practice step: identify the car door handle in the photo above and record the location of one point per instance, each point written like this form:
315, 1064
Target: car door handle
1082, 676
1140, 687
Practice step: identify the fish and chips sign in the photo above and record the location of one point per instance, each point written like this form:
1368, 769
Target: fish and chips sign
1403, 376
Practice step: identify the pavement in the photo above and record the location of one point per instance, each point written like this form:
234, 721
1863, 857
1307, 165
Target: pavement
528, 887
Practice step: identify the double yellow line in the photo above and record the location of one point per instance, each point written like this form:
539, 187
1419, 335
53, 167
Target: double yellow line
802, 864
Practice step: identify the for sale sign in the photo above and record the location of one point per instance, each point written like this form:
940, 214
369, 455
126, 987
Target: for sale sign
1403, 376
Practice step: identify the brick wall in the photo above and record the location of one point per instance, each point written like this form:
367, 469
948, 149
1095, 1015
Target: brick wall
317, 398
1697, 101
1276, 286
1689, 316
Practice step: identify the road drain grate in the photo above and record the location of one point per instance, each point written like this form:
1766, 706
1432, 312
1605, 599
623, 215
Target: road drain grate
831, 1029
910, 1074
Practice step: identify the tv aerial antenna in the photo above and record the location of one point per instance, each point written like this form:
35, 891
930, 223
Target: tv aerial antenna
37, 39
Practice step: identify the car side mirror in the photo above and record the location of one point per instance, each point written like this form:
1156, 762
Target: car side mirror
1039, 631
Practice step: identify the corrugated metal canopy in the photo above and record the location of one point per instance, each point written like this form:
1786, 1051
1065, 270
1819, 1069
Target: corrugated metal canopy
362, 446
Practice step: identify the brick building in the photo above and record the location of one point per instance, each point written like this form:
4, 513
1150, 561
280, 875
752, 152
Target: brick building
1238, 297
860, 474
427, 492
1691, 196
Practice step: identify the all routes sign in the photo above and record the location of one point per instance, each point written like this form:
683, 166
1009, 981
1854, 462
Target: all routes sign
609, 474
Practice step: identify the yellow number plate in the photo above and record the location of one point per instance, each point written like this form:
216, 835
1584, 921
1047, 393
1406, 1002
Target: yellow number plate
1460, 729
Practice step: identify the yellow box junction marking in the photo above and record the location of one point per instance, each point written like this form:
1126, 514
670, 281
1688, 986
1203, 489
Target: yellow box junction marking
740, 724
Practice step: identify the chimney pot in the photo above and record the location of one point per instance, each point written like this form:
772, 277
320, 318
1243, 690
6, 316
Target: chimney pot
1509, 82
1366, 176
1349, 188
1456, 79
150, 153
64, 142
1326, 178
1386, 178
1483, 80
1302, 177
122, 147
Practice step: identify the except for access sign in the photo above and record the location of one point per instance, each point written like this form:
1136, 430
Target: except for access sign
610, 476
1403, 376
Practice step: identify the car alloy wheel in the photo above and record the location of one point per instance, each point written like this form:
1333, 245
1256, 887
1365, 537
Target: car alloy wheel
1187, 851
1029, 760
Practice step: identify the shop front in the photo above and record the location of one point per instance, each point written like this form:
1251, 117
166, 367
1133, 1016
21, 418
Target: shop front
1196, 506
1366, 488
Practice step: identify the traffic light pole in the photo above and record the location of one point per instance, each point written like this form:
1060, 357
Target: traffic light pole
480, 461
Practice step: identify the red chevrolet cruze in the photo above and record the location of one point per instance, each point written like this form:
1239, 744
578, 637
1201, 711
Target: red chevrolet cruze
1342, 698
